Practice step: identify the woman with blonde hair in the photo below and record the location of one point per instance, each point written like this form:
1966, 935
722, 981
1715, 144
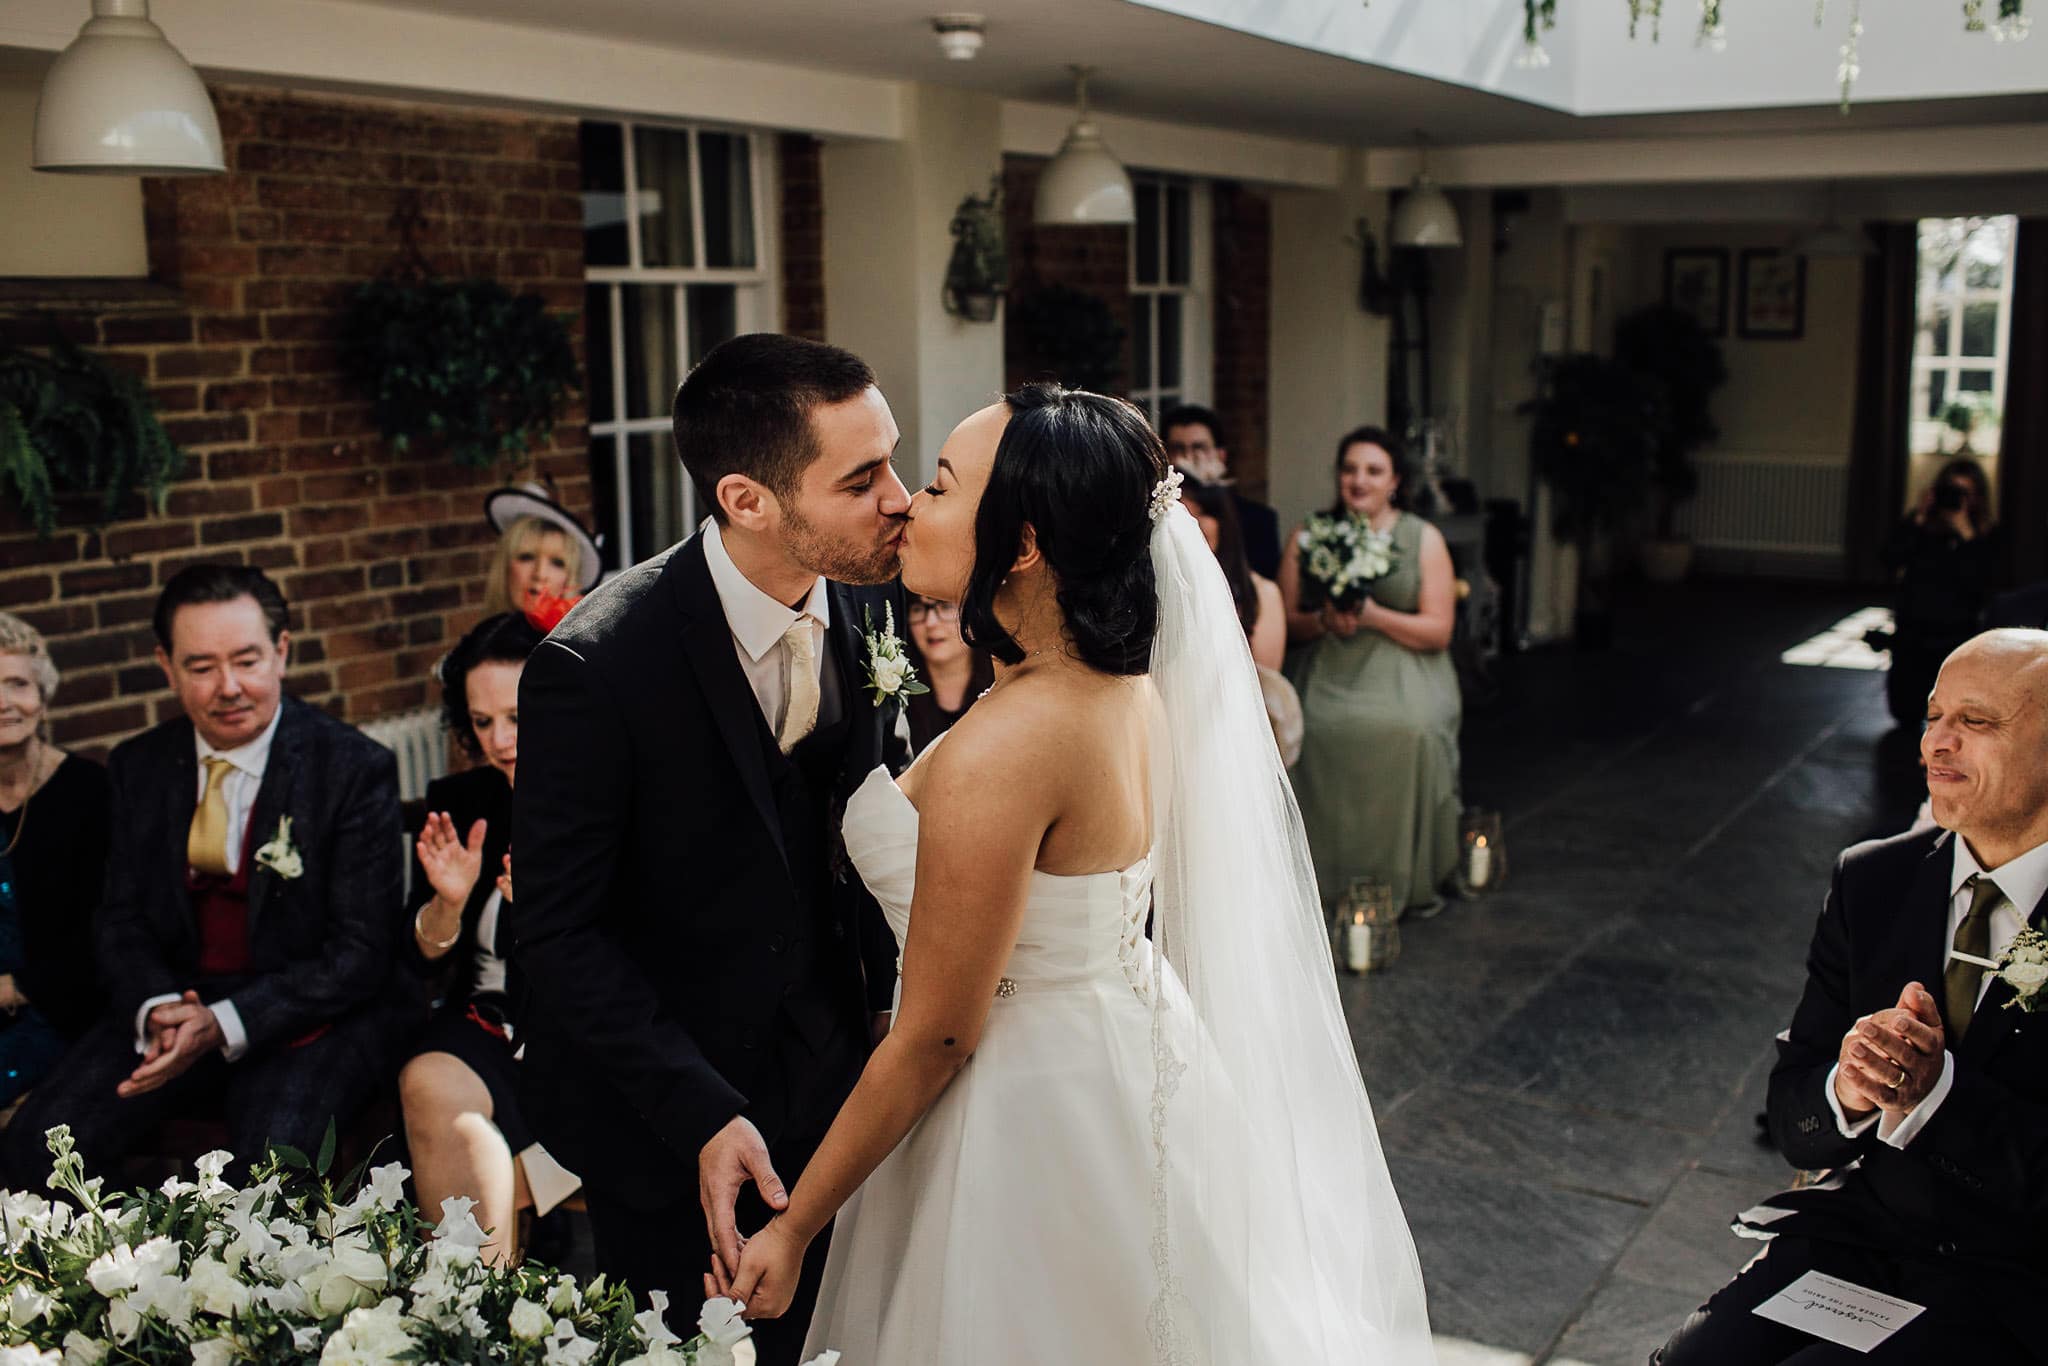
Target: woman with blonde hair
55, 814
543, 551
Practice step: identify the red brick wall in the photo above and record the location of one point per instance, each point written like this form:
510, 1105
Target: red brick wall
381, 555
803, 237
1243, 226
1093, 260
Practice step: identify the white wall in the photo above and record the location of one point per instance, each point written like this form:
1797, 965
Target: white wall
1327, 356
888, 211
61, 224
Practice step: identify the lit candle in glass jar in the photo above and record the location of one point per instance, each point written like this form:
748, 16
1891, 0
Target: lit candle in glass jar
1480, 871
1358, 943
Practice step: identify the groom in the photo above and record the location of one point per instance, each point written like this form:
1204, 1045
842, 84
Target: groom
707, 975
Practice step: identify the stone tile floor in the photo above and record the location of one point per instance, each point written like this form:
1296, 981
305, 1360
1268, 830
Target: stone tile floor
1567, 1073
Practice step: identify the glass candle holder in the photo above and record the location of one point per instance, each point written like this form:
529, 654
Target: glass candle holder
1482, 858
1365, 933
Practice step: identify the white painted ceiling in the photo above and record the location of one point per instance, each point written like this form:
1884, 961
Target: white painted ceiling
1161, 66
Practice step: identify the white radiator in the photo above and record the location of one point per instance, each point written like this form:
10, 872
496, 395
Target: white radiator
420, 743
1770, 505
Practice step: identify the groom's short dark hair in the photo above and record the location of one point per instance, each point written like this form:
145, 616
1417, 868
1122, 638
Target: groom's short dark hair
746, 409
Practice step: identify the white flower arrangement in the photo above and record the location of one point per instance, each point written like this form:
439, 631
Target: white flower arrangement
281, 856
2024, 967
1341, 558
890, 672
285, 1271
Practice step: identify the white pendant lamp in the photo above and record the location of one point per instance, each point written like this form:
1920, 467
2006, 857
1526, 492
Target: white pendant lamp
122, 101
1084, 184
1425, 217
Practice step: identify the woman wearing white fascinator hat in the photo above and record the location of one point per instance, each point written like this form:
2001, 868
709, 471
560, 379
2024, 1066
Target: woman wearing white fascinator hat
543, 550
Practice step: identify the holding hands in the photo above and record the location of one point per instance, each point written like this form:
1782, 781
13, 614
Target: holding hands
180, 1033
1891, 1060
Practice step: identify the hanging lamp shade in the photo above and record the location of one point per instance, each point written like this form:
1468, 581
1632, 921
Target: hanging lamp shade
1084, 184
122, 101
1425, 217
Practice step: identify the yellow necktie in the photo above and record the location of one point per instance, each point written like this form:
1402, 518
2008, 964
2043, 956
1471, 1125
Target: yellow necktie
800, 716
206, 847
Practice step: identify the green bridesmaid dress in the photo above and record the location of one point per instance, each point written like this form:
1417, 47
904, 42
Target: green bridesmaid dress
1378, 777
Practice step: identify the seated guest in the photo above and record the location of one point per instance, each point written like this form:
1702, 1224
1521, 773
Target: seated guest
1259, 605
248, 932
1907, 1068
53, 855
955, 671
1193, 437
543, 551
460, 1088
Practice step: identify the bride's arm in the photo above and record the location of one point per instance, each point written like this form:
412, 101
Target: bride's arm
985, 801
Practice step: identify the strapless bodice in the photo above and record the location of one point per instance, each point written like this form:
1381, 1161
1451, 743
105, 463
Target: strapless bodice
1077, 929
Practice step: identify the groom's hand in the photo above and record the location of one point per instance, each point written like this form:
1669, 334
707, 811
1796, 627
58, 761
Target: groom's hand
734, 1156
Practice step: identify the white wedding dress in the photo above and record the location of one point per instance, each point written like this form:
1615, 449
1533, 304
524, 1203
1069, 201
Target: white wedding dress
1131, 1170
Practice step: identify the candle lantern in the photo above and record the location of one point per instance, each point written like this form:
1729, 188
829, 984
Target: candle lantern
1364, 930
1482, 859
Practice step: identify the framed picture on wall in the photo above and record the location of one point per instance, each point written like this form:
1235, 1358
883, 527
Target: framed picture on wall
1772, 297
1696, 282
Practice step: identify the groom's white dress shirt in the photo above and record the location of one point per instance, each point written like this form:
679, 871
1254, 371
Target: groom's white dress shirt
2023, 880
758, 623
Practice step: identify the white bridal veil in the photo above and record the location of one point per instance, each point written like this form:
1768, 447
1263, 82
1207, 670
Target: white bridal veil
1268, 1171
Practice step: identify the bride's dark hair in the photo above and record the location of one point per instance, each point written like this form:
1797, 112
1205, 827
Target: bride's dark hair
1078, 468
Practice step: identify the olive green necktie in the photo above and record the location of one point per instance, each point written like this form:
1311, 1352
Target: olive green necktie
1973, 937
206, 846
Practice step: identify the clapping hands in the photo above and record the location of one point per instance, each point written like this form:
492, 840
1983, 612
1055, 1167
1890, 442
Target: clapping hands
1892, 1059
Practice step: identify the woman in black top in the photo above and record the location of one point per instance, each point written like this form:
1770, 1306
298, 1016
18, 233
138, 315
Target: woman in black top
54, 825
955, 672
460, 1088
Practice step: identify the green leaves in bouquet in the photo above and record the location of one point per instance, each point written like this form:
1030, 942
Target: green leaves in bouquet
71, 423
463, 365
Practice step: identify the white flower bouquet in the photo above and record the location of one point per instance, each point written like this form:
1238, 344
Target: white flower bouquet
1341, 558
286, 1271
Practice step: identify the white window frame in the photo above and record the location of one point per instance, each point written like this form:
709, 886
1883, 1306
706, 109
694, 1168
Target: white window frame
1198, 300
757, 307
1929, 433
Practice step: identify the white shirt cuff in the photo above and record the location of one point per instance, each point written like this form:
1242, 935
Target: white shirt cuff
142, 1017
234, 1038
1861, 1126
1899, 1130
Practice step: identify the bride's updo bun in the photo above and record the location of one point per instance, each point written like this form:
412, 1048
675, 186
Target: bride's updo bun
1079, 468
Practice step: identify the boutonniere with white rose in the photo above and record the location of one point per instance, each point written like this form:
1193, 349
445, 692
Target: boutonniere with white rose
890, 674
2024, 967
281, 856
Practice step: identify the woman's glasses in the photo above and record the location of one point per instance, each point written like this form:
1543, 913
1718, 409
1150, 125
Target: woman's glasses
921, 610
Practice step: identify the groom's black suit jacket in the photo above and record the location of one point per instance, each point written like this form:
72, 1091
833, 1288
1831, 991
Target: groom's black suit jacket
1970, 1191
690, 957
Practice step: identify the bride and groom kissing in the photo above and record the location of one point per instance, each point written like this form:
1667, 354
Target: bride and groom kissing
1030, 1050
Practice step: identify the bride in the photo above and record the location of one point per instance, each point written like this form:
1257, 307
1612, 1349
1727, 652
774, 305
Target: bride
1119, 1117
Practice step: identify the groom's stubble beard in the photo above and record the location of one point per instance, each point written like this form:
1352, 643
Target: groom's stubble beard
835, 558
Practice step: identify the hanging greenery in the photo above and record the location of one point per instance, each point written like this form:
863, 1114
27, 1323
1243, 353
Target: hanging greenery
71, 423
2011, 25
465, 365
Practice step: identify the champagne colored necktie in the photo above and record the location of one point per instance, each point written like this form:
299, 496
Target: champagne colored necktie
1973, 937
206, 846
800, 716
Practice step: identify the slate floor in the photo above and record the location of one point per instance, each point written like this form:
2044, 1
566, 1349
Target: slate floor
1566, 1074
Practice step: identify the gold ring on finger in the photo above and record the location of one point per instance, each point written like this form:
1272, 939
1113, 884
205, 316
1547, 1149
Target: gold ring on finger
1903, 1074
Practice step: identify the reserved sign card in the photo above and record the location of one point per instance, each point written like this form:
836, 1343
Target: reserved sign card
1845, 1314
